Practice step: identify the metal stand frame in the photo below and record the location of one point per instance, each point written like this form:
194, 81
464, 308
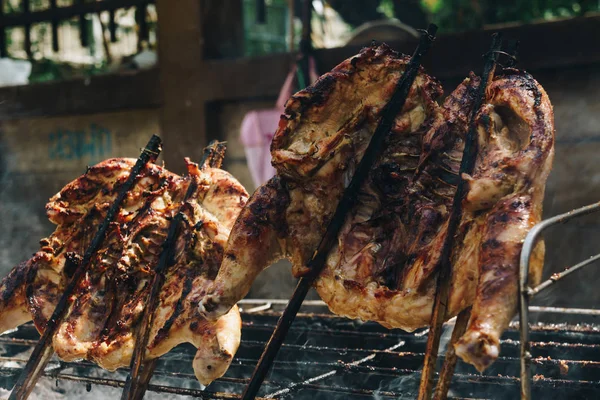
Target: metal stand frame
527, 292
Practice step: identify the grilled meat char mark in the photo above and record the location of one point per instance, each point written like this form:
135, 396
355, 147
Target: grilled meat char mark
516, 141
315, 151
384, 266
108, 303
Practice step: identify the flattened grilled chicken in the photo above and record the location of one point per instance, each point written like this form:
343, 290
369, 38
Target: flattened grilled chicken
109, 302
385, 263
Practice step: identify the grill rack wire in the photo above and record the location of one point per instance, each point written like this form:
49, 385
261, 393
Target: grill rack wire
330, 357
526, 292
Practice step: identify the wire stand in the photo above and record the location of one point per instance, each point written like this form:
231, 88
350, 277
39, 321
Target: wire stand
526, 292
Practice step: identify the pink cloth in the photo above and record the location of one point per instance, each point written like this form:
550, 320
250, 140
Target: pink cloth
258, 128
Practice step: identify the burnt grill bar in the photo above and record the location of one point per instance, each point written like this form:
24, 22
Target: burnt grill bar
526, 292
317, 262
330, 357
43, 349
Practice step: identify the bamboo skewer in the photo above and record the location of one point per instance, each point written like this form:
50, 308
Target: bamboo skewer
43, 350
441, 390
317, 262
142, 370
445, 269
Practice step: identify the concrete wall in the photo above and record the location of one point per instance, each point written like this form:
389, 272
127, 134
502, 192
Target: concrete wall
573, 182
40, 155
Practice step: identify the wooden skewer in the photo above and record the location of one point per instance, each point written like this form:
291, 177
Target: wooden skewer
142, 370
317, 262
441, 390
43, 350
467, 165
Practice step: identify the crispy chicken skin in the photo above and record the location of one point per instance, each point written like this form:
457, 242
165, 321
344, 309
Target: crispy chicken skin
106, 307
384, 265
516, 150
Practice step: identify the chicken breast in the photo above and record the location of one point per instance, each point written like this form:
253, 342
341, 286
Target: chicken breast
107, 305
387, 258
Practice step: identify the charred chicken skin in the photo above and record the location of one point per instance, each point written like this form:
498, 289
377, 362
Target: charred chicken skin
108, 303
384, 265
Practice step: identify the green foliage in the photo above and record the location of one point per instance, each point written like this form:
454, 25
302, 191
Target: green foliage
269, 37
461, 15
386, 7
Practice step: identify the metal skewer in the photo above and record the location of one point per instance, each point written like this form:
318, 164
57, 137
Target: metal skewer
142, 370
467, 165
317, 262
43, 350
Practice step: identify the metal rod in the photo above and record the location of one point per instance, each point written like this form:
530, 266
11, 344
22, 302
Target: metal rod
141, 371
291, 24
83, 33
467, 165
558, 276
43, 349
66, 12
524, 297
155, 388
441, 390
112, 26
54, 27
564, 310
349, 198
27, 27
142, 24
320, 377
3, 52
261, 11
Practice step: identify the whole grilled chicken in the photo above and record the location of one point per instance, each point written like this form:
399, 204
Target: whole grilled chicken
384, 265
108, 304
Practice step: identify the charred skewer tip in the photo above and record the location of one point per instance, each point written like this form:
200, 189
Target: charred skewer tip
213, 155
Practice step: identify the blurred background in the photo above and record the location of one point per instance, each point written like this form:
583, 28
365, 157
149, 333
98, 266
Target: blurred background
84, 80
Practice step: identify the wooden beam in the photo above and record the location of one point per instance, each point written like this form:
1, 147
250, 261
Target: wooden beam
183, 83
65, 13
101, 93
223, 29
544, 46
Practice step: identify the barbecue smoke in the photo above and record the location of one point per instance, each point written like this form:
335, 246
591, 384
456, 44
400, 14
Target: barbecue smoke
21, 212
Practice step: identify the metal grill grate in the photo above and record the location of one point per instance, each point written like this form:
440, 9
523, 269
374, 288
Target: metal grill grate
328, 357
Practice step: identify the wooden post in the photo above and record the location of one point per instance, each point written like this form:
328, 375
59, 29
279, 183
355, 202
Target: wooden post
187, 83
223, 28
182, 83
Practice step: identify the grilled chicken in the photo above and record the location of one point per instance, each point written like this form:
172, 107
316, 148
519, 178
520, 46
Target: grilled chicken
108, 303
387, 258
